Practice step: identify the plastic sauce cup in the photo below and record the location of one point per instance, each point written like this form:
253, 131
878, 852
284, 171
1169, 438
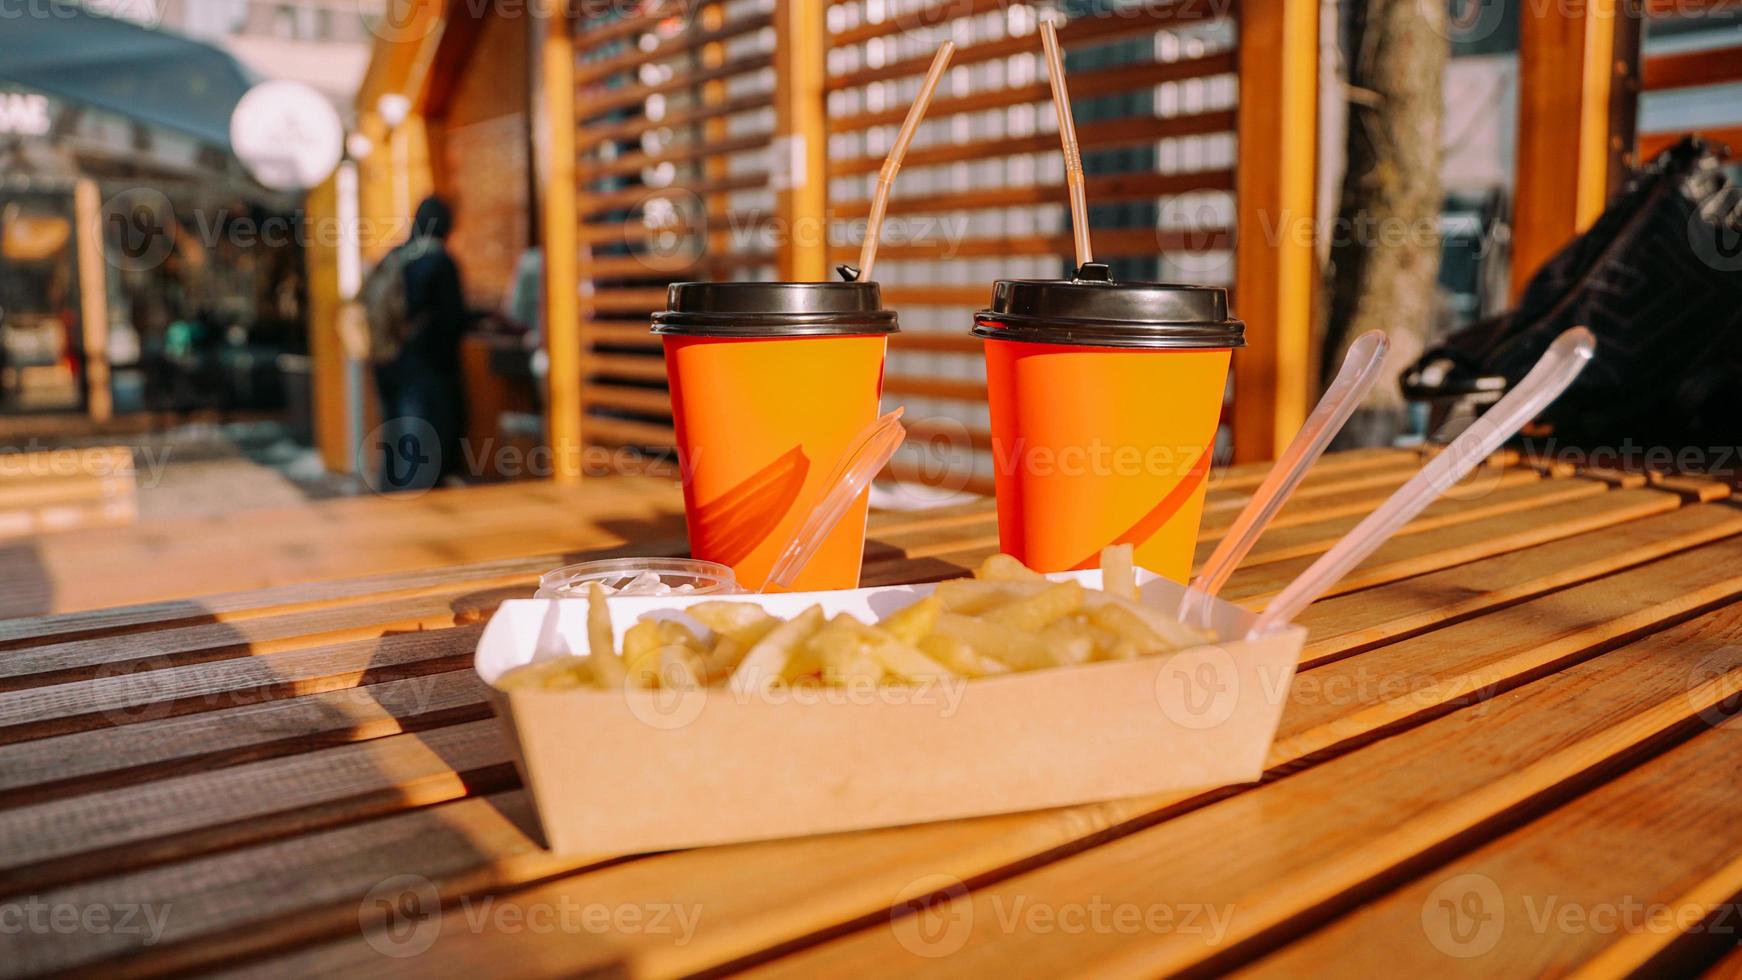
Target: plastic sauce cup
684, 576
770, 384
1104, 403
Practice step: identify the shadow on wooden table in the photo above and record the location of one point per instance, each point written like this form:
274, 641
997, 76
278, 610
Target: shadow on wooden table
335, 723
496, 785
452, 720
25, 589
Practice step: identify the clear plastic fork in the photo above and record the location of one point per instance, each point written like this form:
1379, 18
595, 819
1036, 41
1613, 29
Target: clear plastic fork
1360, 369
865, 457
1557, 368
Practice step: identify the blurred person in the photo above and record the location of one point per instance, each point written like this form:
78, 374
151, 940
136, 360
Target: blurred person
416, 313
525, 306
525, 302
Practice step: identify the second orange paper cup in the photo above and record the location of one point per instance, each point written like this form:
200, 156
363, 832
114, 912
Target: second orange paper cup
1105, 399
770, 383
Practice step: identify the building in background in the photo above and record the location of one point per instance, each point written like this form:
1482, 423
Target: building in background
145, 269
117, 188
324, 44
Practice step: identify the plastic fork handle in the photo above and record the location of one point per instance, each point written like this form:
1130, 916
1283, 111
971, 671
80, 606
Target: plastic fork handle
1565, 358
1360, 369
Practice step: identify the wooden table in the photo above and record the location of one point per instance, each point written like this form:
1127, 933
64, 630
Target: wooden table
45, 491
191, 559
1511, 748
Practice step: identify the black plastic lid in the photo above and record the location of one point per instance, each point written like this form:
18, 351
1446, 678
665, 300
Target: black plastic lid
774, 309
1093, 311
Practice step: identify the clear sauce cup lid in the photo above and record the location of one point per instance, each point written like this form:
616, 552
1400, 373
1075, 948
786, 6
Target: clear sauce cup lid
639, 576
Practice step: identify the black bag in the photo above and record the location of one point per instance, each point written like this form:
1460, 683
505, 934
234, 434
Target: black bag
1658, 278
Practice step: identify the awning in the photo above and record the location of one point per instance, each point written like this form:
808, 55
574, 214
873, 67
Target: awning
152, 76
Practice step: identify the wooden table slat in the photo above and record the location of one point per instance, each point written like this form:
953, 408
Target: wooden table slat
125, 699
1370, 617
1345, 499
59, 663
177, 817
1533, 902
1410, 555
1698, 488
1281, 544
250, 724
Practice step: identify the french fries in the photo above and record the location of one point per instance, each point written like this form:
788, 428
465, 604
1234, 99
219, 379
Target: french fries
971, 597
601, 643
1118, 574
1003, 568
1041, 609
1006, 618
910, 625
767, 660
956, 655
1008, 645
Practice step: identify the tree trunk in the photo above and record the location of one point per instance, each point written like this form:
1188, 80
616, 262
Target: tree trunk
1385, 249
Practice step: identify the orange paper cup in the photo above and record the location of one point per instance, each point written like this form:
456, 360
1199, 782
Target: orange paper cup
1104, 402
770, 383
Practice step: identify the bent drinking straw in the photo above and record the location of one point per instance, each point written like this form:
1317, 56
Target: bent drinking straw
892, 163
1061, 103
1566, 357
1360, 369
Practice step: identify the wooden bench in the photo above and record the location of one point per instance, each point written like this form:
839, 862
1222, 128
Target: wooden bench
1524, 702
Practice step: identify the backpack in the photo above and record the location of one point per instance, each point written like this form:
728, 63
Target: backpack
1658, 279
384, 301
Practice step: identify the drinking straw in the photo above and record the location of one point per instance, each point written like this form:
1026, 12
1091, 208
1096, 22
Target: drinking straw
892, 163
1557, 368
1061, 103
1360, 369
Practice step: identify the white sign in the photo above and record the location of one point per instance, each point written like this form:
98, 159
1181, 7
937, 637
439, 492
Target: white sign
287, 134
141, 12
24, 113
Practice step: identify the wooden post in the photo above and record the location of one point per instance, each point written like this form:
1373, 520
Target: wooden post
564, 263
330, 380
1275, 189
1574, 83
93, 299
800, 151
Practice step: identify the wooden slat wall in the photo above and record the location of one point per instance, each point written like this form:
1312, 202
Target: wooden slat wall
674, 117
981, 196
481, 143
682, 146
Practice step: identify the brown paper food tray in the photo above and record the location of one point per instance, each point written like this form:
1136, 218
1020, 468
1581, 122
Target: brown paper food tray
636, 770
